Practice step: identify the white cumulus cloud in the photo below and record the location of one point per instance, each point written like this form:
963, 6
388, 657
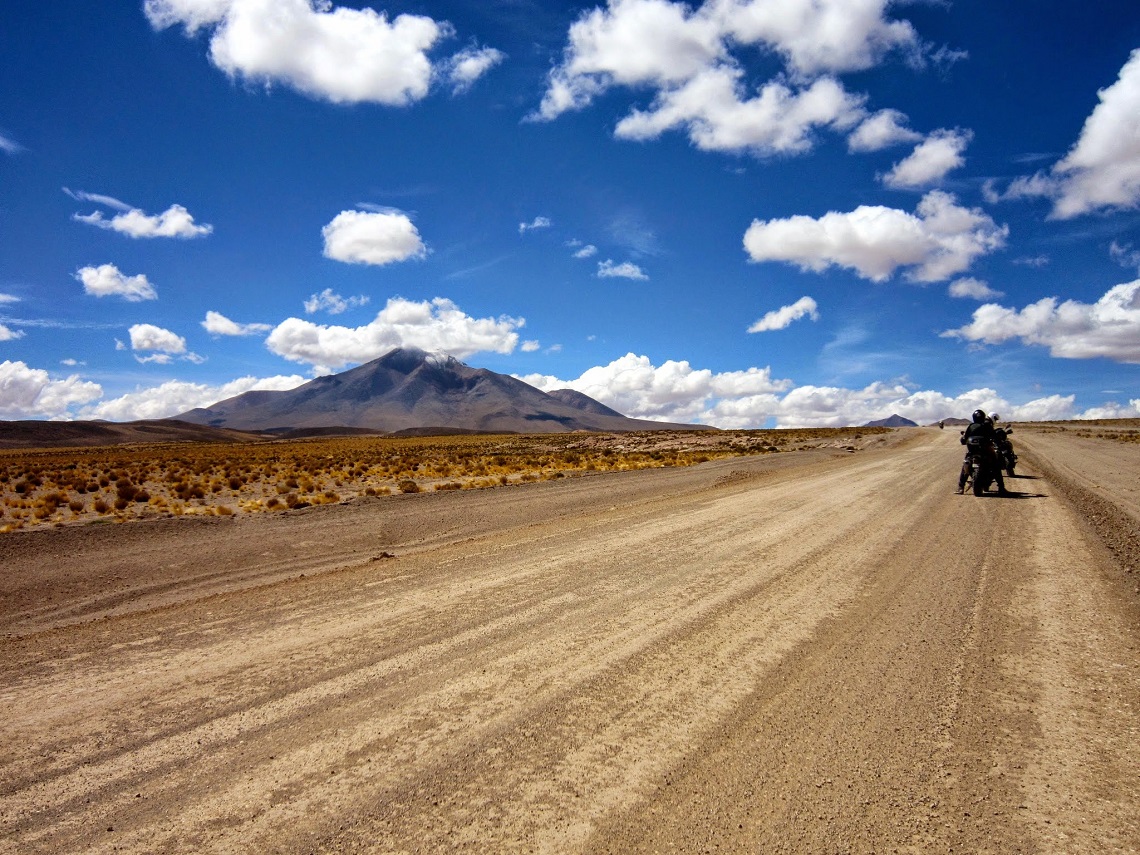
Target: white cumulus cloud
218, 324
939, 240
1114, 410
881, 130
372, 237
818, 36
8, 334
334, 53
631, 43
438, 325
148, 337
785, 316
930, 161
675, 391
106, 280
1108, 328
690, 58
1102, 170
32, 393
719, 116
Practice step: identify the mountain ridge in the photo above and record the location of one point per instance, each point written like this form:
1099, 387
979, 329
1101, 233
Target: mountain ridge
893, 421
408, 389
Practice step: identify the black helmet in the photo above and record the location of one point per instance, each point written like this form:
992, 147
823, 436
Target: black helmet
979, 416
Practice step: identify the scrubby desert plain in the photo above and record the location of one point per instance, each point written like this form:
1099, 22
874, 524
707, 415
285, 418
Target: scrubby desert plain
805, 642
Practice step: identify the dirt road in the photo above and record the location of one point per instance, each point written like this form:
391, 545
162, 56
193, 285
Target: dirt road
810, 652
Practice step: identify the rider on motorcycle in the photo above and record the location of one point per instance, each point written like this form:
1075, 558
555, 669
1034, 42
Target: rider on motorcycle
1004, 445
983, 428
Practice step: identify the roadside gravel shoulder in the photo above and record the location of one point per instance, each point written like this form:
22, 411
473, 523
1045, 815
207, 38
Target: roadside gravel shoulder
1096, 477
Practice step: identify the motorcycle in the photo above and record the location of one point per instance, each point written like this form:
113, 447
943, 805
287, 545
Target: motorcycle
1005, 450
980, 464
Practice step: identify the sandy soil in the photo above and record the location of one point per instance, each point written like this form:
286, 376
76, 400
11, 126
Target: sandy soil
812, 652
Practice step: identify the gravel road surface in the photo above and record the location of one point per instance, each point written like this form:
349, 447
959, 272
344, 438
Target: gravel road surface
817, 651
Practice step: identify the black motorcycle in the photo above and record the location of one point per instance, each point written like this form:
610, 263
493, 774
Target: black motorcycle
980, 464
1005, 450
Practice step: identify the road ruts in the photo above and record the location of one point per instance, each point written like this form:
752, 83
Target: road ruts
836, 657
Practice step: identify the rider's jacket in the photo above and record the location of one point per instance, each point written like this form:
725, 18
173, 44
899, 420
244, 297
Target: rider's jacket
981, 430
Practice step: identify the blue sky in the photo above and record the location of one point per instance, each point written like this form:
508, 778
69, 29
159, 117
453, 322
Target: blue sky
746, 213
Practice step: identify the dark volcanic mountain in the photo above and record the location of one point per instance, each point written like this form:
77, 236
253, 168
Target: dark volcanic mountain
892, 421
409, 389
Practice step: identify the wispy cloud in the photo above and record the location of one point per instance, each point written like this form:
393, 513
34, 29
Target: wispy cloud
9, 145
98, 199
974, 289
467, 66
610, 269
785, 316
174, 222
536, 223
218, 324
333, 303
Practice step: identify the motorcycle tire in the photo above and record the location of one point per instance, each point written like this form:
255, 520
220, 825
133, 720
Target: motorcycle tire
978, 489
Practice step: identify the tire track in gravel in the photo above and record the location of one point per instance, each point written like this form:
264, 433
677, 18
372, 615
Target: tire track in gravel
664, 585
982, 696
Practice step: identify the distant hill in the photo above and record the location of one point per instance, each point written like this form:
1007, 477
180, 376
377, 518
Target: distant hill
411, 391
892, 421
37, 434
